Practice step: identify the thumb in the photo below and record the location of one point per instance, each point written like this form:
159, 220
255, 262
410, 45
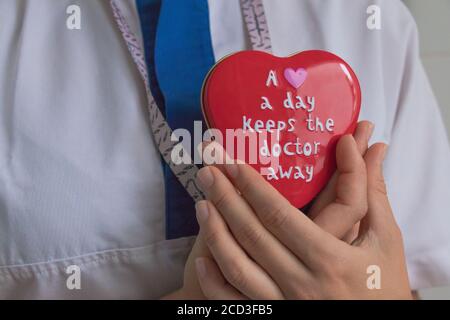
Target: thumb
379, 218
350, 203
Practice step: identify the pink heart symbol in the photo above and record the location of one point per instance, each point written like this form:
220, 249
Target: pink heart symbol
295, 77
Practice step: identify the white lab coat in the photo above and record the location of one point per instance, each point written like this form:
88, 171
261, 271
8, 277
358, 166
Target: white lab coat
80, 177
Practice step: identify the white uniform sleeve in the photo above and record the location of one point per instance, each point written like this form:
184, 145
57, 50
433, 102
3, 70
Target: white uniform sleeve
417, 170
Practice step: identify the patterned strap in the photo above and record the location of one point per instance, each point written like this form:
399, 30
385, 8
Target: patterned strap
253, 12
256, 22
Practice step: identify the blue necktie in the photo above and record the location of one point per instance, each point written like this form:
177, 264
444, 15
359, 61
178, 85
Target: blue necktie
180, 52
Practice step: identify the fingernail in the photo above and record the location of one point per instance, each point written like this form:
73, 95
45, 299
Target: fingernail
232, 170
382, 154
205, 178
370, 130
202, 211
200, 265
200, 150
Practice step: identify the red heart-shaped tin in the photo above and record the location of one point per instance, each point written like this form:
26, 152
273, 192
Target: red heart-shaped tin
308, 100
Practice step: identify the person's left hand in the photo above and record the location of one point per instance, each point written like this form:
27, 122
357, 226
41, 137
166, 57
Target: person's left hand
263, 248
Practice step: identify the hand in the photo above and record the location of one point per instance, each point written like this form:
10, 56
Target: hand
191, 288
264, 248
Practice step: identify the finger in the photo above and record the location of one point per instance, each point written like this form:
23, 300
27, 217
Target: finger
247, 229
295, 230
240, 271
213, 284
362, 136
380, 217
350, 203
